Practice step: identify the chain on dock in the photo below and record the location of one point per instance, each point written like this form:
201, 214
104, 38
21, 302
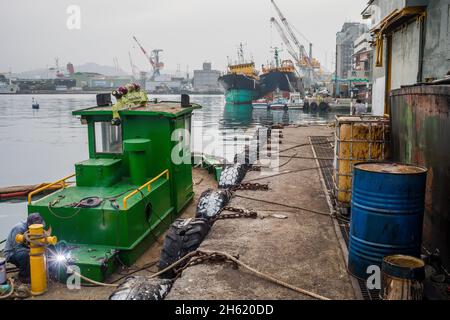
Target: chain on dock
251, 187
236, 214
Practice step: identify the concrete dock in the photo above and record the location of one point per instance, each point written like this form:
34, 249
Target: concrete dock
302, 250
299, 247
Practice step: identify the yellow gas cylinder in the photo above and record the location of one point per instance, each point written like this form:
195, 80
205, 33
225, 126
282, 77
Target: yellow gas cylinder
38, 240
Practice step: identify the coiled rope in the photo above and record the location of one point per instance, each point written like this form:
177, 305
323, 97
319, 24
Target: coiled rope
11, 290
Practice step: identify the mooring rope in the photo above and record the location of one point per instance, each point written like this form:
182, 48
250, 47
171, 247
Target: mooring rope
284, 205
11, 290
287, 172
260, 274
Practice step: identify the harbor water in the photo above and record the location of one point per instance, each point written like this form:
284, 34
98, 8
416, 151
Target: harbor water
43, 145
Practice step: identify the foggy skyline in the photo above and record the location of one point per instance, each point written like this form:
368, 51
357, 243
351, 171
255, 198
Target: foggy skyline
190, 32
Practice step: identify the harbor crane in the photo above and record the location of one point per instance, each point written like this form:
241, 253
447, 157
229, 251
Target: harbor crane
285, 39
153, 58
305, 62
291, 33
134, 69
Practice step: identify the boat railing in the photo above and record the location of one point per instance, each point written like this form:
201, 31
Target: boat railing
145, 185
39, 190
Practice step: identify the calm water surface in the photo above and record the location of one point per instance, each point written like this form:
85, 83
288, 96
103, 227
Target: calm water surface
43, 145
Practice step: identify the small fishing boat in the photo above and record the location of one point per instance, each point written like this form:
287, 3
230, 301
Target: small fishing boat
34, 104
261, 103
295, 101
280, 103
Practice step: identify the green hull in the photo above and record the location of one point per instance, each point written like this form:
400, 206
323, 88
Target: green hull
240, 96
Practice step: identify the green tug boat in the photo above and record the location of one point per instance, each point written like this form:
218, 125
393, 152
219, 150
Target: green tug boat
129, 190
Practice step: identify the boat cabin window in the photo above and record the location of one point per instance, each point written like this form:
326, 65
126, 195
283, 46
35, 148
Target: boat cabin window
108, 138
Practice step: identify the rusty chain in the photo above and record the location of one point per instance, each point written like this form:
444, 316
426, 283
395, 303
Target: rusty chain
204, 257
236, 213
251, 186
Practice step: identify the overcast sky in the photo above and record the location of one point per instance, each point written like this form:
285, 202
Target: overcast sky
189, 31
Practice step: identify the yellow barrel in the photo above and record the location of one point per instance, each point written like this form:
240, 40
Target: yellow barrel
357, 139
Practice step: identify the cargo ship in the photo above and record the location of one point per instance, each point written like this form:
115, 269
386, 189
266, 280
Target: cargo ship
280, 76
241, 82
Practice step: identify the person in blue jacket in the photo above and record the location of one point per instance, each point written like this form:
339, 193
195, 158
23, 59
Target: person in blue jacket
17, 253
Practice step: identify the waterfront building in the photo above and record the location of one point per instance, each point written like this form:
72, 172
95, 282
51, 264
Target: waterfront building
411, 80
361, 68
164, 84
108, 82
206, 80
412, 41
345, 41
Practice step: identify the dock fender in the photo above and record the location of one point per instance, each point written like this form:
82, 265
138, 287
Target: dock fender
232, 176
142, 288
306, 106
211, 203
183, 237
323, 106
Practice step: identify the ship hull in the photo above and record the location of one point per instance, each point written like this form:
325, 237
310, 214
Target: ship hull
278, 80
240, 89
240, 96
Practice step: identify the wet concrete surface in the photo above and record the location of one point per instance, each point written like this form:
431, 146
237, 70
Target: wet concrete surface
302, 250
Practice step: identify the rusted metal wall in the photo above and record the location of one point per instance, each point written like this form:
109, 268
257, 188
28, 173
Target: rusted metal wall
420, 123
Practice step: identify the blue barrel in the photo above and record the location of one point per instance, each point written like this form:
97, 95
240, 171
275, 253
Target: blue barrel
386, 213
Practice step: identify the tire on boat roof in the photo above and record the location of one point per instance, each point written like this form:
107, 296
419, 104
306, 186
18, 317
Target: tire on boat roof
183, 237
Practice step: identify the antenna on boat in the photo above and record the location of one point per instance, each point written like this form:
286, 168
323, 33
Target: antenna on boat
240, 53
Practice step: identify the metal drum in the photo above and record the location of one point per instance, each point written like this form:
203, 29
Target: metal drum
402, 278
387, 213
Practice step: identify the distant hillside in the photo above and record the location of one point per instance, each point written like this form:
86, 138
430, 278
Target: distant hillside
106, 70
86, 67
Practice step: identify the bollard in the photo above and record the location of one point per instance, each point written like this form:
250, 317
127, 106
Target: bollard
37, 240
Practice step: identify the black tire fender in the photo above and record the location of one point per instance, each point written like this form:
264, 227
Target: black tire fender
183, 237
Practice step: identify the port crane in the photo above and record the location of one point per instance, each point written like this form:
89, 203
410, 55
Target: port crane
153, 58
134, 69
285, 39
304, 61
